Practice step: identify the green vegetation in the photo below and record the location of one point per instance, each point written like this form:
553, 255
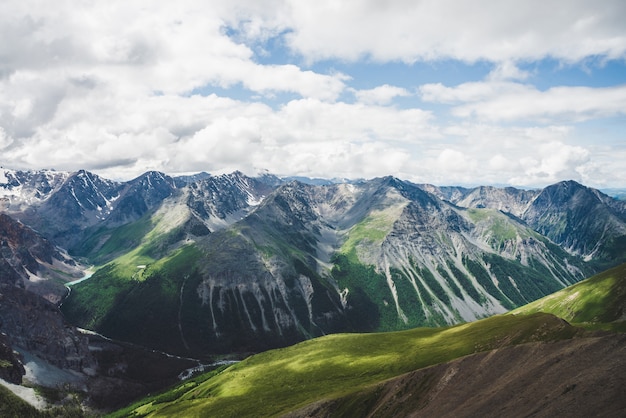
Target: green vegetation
279, 381
13, 406
104, 244
483, 278
597, 302
170, 395
434, 285
500, 228
455, 289
520, 283
465, 283
122, 297
372, 230
368, 293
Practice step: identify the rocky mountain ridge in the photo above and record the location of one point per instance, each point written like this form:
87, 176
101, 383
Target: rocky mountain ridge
584, 221
233, 263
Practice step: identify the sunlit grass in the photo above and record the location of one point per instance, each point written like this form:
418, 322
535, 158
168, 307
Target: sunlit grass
598, 299
277, 381
373, 229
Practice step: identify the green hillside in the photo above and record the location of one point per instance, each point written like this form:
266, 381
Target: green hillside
597, 302
12, 406
278, 381
283, 380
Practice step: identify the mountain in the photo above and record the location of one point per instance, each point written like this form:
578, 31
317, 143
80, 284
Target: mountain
219, 268
82, 200
236, 263
78, 200
519, 364
32, 273
583, 221
199, 266
21, 190
578, 377
33, 263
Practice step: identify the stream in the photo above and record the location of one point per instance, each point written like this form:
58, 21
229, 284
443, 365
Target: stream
88, 273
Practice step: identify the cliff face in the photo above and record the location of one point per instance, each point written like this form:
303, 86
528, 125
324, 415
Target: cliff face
37, 326
31, 262
31, 274
11, 367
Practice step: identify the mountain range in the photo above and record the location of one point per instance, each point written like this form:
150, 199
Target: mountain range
207, 265
232, 263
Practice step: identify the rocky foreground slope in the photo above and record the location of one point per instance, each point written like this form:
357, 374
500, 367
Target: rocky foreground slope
574, 378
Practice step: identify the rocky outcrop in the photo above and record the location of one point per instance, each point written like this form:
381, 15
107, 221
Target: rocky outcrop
29, 261
583, 221
36, 325
310, 260
11, 367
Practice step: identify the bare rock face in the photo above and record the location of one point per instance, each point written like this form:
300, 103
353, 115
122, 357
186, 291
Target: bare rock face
31, 262
36, 325
31, 268
583, 221
11, 367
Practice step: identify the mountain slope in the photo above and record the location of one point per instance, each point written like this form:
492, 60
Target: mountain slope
237, 263
599, 299
306, 261
579, 377
21, 190
29, 261
278, 381
583, 221
516, 365
32, 277
235, 289
437, 264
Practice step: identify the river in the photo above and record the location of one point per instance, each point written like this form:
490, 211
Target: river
88, 273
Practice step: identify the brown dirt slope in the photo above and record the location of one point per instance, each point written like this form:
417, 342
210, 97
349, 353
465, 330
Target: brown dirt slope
582, 377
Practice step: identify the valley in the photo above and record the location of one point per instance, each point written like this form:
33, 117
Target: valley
172, 273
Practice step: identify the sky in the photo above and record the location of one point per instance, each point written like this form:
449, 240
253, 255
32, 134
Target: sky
501, 92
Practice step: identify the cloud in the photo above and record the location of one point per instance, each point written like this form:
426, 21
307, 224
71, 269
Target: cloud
512, 101
507, 70
145, 46
456, 161
122, 87
470, 91
429, 30
553, 161
574, 104
380, 95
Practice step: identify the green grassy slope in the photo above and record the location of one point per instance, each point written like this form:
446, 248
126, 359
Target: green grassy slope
278, 381
597, 302
13, 406
123, 296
